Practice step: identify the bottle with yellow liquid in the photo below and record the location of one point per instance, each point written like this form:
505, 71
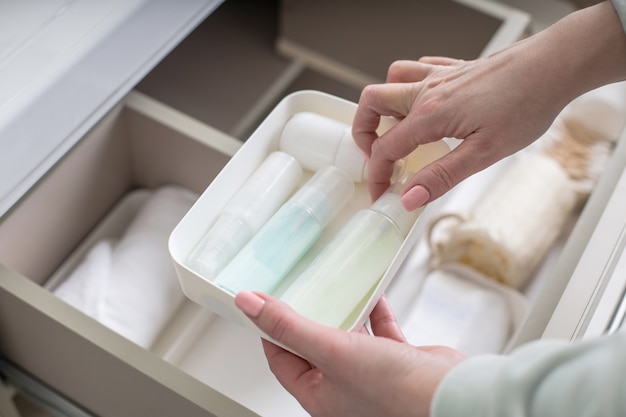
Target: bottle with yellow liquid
353, 262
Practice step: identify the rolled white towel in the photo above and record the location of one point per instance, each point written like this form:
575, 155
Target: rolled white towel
130, 285
510, 229
85, 287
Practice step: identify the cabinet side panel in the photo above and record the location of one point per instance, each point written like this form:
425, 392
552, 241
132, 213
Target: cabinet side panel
162, 155
42, 229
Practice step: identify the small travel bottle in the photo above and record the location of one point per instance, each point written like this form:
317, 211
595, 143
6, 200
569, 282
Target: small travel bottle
337, 281
316, 141
288, 234
269, 186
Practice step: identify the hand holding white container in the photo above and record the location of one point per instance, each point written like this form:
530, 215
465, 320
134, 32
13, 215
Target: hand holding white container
350, 266
265, 140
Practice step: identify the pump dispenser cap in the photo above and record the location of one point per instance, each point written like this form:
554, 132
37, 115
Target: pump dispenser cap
317, 141
390, 205
325, 193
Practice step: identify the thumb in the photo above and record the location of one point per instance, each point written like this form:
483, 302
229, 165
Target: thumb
280, 322
440, 176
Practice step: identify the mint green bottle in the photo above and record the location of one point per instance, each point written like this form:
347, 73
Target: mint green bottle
276, 248
351, 265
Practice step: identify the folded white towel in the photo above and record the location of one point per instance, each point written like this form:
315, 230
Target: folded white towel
458, 308
85, 287
130, 285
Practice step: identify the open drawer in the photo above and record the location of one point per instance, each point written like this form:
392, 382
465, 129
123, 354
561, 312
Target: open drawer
83, 360
200, 364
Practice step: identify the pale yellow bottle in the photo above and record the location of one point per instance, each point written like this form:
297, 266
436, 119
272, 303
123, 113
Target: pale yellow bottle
353, 262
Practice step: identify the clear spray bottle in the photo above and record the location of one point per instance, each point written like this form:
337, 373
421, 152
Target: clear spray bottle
288, 234
269, 186
349, 268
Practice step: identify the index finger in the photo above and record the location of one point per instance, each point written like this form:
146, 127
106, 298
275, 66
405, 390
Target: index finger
379, 100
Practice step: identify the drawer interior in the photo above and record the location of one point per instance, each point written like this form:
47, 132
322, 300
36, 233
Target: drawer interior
127, 150
133, 149
84, 200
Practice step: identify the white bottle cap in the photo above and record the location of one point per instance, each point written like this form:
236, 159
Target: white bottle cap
390, 205
317, 141
269, 186
350, 158
325, 193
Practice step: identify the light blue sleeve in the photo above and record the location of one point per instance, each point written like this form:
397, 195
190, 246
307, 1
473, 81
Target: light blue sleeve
620, 6
543, 378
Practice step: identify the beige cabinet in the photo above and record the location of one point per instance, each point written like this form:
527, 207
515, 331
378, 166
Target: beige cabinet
178, 122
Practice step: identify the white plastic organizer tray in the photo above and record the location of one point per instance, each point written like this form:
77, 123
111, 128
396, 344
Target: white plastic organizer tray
261, 143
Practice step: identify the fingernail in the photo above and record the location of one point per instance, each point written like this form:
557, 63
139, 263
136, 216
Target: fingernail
250, 303
415, 198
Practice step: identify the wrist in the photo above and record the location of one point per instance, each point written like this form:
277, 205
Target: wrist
582, 51
587, 49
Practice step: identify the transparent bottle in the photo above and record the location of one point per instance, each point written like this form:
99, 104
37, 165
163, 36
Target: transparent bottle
350, 266
288, 235
316, 141
269, 186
